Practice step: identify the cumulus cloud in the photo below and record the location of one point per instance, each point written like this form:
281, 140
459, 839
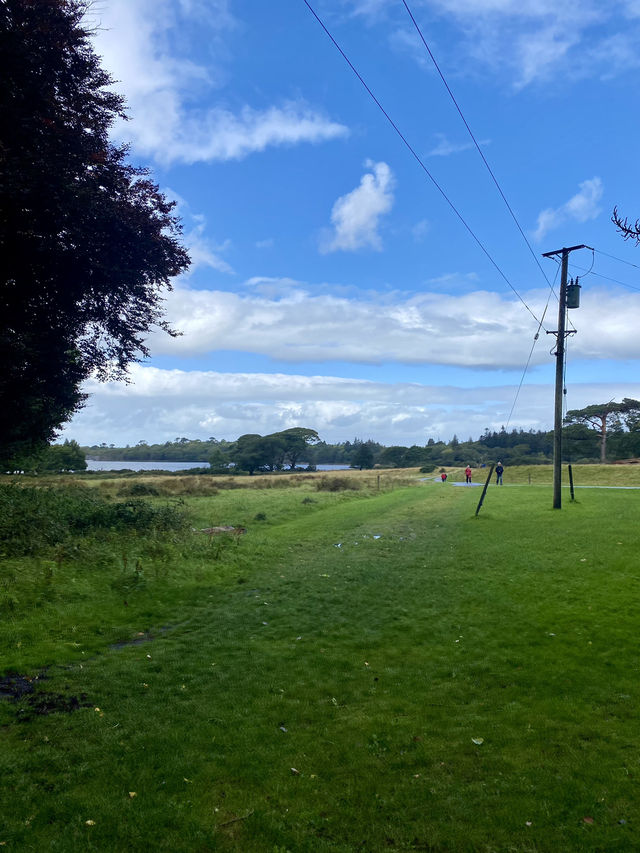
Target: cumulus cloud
298, 323
162, 84
287, 322
580, 208
356, 215
160, 404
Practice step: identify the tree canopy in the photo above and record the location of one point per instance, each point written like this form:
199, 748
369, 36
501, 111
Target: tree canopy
272, 452
88, 243
604, 417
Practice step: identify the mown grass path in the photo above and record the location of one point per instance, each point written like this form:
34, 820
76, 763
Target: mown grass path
388, 673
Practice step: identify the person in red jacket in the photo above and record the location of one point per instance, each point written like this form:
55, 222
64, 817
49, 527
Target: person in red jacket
467, 473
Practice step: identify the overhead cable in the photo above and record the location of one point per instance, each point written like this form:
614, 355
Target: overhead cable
614, 258
419, 160
607, 278
533, 346
475, 142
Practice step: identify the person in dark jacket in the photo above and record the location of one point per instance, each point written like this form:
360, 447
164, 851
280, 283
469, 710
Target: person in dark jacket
499, 472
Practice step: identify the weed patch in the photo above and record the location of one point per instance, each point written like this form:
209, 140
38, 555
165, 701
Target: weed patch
337, 484
33, 519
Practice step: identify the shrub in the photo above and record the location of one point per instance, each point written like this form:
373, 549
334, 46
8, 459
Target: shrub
35, 518
136, 490
337, 484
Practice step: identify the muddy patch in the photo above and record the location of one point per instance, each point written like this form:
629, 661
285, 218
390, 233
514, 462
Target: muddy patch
23, 690
141, 637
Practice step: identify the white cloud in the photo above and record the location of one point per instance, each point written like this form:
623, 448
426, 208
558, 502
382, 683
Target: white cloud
288, 321
581, 207
160, 404
444, 147
202, 250
528, 41
162, 85
420, 230
356, 215
539, 53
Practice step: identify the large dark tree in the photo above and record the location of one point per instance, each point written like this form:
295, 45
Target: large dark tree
87, 241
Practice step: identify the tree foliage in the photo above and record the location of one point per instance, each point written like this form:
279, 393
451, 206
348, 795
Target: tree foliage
60, 458
363, 456
605, 417
87, 241
272, 452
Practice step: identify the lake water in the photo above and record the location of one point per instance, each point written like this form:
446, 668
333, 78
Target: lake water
131, 465
150, 465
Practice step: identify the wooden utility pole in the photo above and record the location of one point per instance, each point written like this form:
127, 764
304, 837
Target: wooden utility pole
560, 348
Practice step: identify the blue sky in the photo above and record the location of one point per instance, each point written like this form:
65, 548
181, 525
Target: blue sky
332, 285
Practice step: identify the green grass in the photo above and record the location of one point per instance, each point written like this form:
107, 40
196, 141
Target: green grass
363, 640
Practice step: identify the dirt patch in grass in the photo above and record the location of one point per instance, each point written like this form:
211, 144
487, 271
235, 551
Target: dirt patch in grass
140, 638
14, 686
34, 703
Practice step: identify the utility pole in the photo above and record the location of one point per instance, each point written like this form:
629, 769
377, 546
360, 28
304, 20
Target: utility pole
560, 348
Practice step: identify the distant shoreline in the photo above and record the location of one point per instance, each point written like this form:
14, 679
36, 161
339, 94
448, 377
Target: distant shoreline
168, 465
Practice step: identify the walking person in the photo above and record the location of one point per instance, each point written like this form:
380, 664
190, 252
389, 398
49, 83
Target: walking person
467, 473
443, 476
499, 471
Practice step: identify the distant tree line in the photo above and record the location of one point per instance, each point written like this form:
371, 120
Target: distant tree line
604, 432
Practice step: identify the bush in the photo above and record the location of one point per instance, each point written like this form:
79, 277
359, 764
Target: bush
32, 519
337, 484
136, 490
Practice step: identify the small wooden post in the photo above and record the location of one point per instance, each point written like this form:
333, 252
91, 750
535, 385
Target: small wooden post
484, 491
573, 497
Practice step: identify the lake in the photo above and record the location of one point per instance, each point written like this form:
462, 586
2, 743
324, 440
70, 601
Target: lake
150, 465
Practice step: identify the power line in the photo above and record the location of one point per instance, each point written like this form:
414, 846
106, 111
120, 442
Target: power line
614, 280
418, 159
533, 346
475, 141
614, 258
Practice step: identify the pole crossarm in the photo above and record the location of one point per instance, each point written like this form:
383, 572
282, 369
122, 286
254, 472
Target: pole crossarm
567, 250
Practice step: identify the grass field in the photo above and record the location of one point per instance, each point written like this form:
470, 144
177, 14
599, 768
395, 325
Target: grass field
366, 669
